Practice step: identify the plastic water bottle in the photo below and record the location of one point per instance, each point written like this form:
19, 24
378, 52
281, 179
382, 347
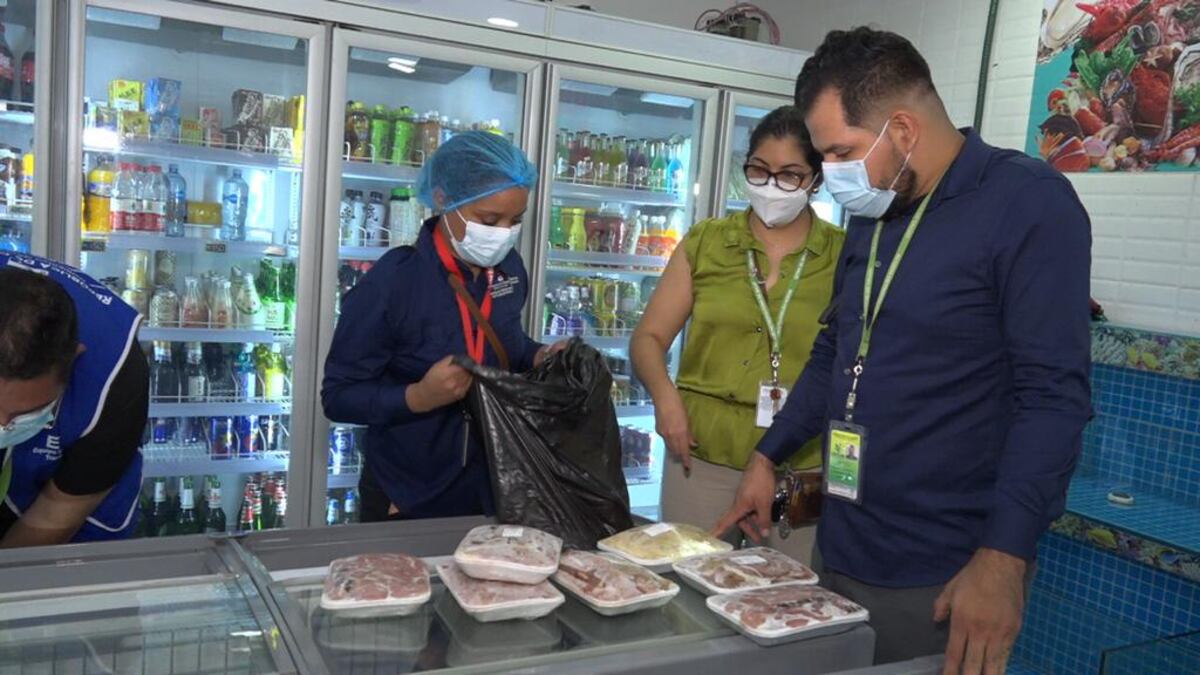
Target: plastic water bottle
154, 199
234, 196
176, 202
375, 221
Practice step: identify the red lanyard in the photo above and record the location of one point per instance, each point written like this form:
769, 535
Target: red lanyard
474, 338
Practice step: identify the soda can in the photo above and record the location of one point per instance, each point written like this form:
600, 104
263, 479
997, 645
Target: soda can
193, 430
249, 436
341, 448
163, 430
222, 441
271, 433
137, 269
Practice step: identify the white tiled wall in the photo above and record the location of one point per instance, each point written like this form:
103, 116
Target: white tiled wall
1146, 228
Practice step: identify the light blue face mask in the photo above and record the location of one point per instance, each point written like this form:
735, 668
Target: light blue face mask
850, 184
24, 427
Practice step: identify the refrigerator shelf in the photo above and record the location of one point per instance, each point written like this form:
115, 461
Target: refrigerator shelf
108, 143
268, 463
96, 242
370, 253
390, 173
635, 411
14, 112
607, 262
20, 213
220, 409
342, 481
600, 193
222, 335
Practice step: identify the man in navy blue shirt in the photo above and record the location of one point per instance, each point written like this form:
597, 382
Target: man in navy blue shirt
955, 360
389, 366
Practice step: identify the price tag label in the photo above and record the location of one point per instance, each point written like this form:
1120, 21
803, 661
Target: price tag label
749, 560
215, 247
659, 529
93, 245
512, 532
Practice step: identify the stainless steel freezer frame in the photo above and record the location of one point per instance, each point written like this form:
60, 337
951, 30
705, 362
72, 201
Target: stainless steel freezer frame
627, 53
527, 134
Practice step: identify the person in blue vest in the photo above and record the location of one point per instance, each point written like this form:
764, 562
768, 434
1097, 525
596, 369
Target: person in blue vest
73, 404
390, 365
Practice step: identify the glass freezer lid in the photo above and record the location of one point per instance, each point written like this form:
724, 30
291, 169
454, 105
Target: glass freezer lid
201, 624
442, 636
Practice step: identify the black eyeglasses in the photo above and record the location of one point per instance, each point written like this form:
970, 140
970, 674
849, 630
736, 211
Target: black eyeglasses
788, 181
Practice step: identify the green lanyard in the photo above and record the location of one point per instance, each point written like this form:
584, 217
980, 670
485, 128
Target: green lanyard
774, 327
869, 316
6, 473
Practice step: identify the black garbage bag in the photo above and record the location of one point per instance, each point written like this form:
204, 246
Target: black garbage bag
553, 445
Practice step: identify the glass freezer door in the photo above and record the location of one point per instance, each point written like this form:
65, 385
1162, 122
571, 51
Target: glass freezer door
18, 121
393, 102
193, 147
626, 170
744, 112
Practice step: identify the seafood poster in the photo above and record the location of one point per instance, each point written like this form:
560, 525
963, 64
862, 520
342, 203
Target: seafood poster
1117, 86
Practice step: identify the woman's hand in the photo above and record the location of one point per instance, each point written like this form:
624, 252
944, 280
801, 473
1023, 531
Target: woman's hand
671, 422
445, 383
547, 351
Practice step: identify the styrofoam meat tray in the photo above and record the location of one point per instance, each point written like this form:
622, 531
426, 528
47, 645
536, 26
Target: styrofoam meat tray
772, 616
743, 570
659, 545
611, 575
513, 553
391, 584
488, 601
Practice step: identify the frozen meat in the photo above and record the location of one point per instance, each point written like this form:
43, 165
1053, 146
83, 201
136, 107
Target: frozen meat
611, 585
508, 553
391, 583
772, 615
499, 600
661, 544
742, 570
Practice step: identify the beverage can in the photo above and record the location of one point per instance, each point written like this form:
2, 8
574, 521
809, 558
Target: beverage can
162, 430
249, 435
222, 441
272, 433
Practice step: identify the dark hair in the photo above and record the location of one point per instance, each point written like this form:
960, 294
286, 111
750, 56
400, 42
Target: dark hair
786, 122
867, 67
39, 333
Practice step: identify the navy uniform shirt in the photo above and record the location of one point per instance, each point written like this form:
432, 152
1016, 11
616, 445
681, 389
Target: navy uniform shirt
399, 320
975, 390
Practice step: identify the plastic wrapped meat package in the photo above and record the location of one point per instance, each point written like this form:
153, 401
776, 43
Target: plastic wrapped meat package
771, 616
612, 586
520, 555
376, 584
499, 600
659, 545
742, 570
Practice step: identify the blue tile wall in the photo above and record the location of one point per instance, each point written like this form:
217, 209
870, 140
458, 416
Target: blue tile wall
1085, 601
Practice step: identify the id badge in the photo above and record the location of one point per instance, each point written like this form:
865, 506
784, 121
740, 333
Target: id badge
845, 445
770, 401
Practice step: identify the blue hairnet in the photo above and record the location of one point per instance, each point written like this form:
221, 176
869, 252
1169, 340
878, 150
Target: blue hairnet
470, 166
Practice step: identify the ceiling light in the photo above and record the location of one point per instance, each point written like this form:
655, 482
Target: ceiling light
501, 22
402, 68
588, 88
668, 100
254, 38
402, 60
117, 17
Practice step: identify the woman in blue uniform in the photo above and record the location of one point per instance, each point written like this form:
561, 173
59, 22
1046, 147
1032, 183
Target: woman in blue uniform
390, 363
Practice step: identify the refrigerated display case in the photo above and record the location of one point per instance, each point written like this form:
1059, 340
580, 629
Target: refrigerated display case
743, 112
194, 153
21, 21
394, 101
625, 174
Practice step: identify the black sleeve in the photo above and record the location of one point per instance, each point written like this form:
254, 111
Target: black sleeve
95, 462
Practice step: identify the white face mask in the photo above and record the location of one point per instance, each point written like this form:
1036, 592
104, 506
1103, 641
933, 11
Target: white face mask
774, 205
24, 427
850, 184
484, 245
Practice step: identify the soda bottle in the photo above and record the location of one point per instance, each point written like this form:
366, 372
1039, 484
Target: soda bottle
154, 199
402, 136
195, 378
381, 134
246, 373
562, 153
25, 193
215, 522
619, 162
257, 506
287, 283
658, 166
375, 221
351, 508
271, 292
185, 521
157, 517
234, 196
246, 513
274, 374
222, 384
267, 499
28, 74
164, 377
280, 519
358, 219
676, 175
220, 312
332, 512
358, 131
7, 72
99, 195
176, 202
123, 211
248, 304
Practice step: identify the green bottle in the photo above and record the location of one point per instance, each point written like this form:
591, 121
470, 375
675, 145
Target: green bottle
381, 134
402, 134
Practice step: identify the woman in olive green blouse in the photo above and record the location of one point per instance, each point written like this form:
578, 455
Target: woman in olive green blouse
710, 417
